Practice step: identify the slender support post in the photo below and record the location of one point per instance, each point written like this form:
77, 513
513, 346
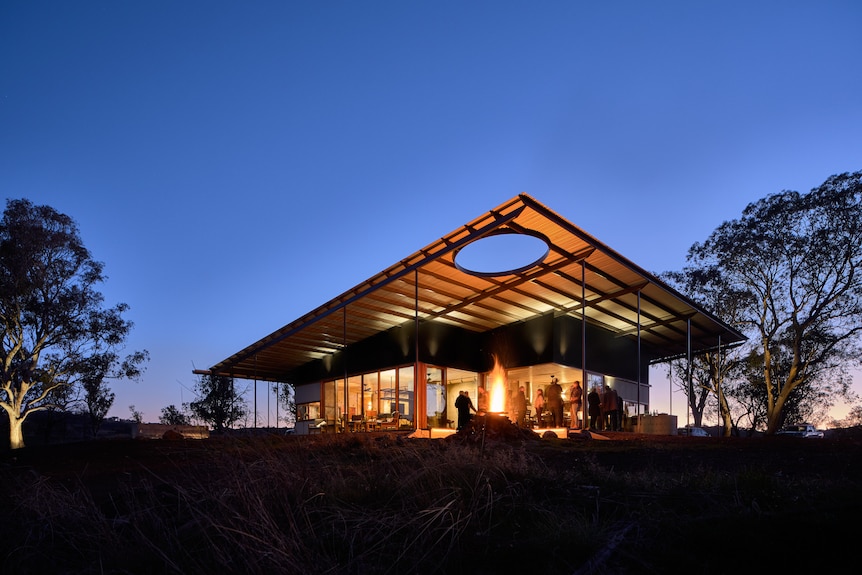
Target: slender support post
583, 344
346, 411
638, 410
718, 385
688, 380
416, 379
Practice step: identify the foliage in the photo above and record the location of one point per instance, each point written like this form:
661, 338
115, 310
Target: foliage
98, 398
287, 398
55, 331
173, 416
218, 402
137, 416
854, 418
790, 266
708, 373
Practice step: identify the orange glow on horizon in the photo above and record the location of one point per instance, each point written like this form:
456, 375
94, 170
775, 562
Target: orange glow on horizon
497, 391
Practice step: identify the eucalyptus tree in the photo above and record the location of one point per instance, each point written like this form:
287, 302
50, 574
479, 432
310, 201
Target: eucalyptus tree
54, 330
218, 402
96, 371
793, 260
286, 397
172, 415
709, 374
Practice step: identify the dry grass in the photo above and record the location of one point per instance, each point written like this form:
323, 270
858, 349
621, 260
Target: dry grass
386, 504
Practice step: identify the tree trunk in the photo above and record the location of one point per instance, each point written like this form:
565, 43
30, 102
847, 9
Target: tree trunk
774, 413
726, 417
16, 433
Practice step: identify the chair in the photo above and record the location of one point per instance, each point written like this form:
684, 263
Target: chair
391, 422
529, 419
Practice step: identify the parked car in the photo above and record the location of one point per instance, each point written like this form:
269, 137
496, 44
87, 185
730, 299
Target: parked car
801, 430
692, 431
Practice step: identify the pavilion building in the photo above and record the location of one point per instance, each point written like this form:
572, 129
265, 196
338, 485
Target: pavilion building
395, 351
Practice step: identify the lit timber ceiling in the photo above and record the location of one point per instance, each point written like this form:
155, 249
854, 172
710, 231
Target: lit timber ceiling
449, 295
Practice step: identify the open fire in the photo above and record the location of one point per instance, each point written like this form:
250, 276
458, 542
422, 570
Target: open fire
497, 388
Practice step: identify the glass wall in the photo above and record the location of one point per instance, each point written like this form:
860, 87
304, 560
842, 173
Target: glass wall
388, 391
406, 400
595, 381
367, 401
364, 400
371, 386
354, 398
458, 380
435, 398
330, 402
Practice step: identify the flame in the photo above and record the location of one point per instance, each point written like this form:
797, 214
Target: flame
497, 384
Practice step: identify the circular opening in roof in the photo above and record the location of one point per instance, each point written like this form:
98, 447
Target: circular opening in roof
501, 254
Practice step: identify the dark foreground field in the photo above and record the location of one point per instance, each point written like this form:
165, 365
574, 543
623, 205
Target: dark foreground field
390, 504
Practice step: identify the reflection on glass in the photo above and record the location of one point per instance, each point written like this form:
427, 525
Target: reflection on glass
435, 397
370, 393
405, 392
329, 401
306, 411
387, 391
354, 396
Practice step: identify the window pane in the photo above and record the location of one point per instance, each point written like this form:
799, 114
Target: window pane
369, 398
458, 380
330, 402
354, 396
405, 392
387, 391
435, 398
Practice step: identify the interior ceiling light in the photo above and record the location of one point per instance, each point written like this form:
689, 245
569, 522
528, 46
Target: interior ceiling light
502, 253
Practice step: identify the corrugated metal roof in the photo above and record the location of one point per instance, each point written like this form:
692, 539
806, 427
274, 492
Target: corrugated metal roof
429, 284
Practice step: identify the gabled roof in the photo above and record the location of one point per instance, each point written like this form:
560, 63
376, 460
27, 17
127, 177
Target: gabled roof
430, 285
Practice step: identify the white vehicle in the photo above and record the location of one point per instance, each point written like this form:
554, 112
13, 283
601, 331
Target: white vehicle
692, 431
801, 430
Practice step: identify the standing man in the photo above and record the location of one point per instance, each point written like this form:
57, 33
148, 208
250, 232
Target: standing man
555, 401
462, 404
610, 409
576, 398
594, 405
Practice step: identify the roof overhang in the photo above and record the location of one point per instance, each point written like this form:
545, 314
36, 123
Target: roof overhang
580, 276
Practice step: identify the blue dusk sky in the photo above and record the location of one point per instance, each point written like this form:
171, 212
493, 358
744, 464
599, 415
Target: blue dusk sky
237, 164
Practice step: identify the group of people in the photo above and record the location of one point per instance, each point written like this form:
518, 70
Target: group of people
552, 401
605, 410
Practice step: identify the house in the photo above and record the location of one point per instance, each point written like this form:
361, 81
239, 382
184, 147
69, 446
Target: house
396, 350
